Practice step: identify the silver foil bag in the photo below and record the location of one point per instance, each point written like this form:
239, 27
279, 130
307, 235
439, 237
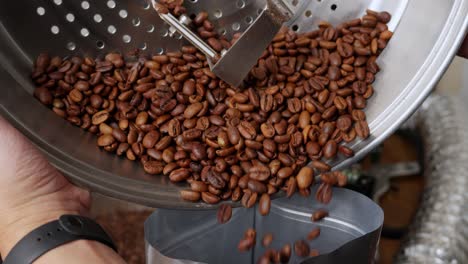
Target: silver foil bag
349, 234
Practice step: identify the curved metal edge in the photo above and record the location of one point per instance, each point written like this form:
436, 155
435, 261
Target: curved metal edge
429, 78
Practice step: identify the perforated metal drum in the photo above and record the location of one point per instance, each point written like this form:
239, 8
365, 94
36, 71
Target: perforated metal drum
427, 35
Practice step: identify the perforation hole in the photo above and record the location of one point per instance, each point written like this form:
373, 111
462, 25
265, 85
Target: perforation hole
159, 51
333, 7
222, 31
236, 26
97, 18
85, 5
143, 46
40, 11
240, 4
146, 5
100, 44
49, 234
126, 38
248, 20
193, 1
164, 32
218, 14
84, 32
111, 29
38, 239
150, 28
71, 46
123, 13
58, 2
136, 21
55, 29
111, 4
70, 17
295, 2
295, 27
308, 13
259, 11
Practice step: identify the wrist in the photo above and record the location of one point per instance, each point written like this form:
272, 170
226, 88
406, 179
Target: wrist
17, 222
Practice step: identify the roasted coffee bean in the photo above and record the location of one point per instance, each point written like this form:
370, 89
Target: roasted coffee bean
43, 95
320, 165
264, 204
248, 241
267, 240
330, 149
198, 186
344, 123
224, 213
285, 172
200, 18
362, 129
256, 186
313, 234
119, 135
105, 140
259, 173
347, 152
324, 193
210, 198
233, 135
341, 178
249, 199
291, 187
179, 175
301, 248
190, 196
150, 139
319, 215
284, 254
153, 167
314, 253
169, 168
247, 130
305, 178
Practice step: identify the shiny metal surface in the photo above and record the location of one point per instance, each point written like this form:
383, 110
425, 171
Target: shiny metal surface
237, 62
189, 35
427, 35
234, 64
351, 231
439, 232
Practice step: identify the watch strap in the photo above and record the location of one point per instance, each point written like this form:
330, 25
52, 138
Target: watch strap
66, 229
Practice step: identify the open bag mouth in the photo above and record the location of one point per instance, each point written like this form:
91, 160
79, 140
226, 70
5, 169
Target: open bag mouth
351, 231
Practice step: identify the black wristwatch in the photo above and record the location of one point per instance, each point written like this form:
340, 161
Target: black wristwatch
66, 229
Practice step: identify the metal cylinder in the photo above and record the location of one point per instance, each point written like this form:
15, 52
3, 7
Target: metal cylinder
439, 232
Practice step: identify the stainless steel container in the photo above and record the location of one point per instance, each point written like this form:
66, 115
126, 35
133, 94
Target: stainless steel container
348, 235
427, 35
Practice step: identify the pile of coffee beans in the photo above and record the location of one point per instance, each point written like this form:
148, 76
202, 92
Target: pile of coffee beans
201, 25
303, 99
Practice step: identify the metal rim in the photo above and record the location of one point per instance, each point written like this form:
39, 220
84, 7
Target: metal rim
144, 192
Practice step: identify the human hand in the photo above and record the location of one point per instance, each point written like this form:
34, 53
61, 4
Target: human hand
463, 51
32, 191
